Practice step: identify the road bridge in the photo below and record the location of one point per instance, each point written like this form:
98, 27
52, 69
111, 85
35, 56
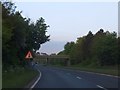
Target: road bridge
53, 59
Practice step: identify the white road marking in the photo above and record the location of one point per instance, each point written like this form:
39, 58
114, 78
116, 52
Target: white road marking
94, 73
101, 87
36, 80
79, 77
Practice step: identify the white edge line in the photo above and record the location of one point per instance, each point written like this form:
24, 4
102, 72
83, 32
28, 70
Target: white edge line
101, 74
95, 73
36, 80
101, 87
78, 77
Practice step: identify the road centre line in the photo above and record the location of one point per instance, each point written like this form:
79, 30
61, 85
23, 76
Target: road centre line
101, 87
78, 77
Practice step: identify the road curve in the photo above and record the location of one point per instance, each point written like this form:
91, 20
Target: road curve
53, 77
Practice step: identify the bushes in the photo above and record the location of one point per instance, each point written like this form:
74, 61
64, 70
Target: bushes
99, 49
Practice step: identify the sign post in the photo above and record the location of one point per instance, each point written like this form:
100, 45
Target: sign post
28, 57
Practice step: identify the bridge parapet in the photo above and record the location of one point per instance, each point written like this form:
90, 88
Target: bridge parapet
52, 56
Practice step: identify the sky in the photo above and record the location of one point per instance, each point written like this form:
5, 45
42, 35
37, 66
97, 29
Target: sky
70, 20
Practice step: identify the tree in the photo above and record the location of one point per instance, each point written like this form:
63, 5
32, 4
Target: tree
100, 49
104, 48
19, 35
7, 14
68, 46
38, 35
86, 46
77, 51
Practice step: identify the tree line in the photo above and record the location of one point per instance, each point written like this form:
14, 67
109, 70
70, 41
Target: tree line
20, 35
100, 49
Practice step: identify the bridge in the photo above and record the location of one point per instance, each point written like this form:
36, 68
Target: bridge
53, 59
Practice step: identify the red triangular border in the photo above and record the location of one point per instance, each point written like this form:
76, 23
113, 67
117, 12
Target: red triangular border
29, 55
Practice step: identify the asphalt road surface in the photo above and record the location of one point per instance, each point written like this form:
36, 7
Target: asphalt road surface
52, 77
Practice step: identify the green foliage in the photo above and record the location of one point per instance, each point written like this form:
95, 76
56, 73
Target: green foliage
19, 35
68, 47
94, 50
37, 34
105, 48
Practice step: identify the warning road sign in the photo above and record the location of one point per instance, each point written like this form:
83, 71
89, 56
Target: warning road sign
29, 55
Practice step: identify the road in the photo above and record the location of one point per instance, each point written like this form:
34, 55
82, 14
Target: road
53, 77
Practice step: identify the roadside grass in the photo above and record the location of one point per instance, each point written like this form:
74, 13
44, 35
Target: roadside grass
18, 79
110, 70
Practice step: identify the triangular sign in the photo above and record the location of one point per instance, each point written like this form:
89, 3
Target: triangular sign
29, 55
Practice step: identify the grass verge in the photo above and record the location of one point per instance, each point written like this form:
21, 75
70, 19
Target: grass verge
18, 79
110, 70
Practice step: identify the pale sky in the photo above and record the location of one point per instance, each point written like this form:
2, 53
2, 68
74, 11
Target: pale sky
68, 21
